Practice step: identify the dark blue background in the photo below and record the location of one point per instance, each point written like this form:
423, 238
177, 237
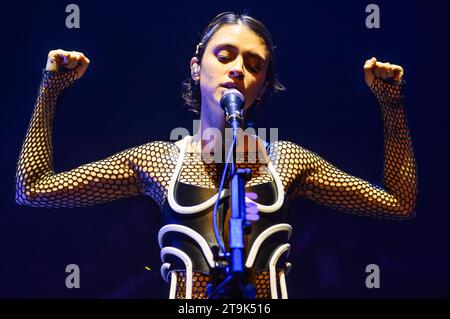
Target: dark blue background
139, 54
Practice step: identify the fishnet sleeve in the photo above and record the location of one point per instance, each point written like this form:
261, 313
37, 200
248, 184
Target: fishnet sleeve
143, 169
307, 174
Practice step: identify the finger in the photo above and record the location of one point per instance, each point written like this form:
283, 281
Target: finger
252, 209
54, 53
84, 58
399, 75
82, 67
62, 58
381, 65
383, 72
74, 56
73, 61
377, 72
389, 70
252, 217
54, 60
369, 66
398, 72
251, 195
79, 57
390, 74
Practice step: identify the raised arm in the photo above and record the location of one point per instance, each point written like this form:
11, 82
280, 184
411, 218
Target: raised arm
128, 173
322, 182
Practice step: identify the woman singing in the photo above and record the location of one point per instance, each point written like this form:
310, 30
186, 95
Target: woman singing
235, 52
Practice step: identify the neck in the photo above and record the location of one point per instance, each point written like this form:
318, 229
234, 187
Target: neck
211, 138
211, 133
211, 129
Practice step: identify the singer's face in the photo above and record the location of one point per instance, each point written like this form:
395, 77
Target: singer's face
234, 57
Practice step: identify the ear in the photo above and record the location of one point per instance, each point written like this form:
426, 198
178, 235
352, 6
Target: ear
195, 69
262, 90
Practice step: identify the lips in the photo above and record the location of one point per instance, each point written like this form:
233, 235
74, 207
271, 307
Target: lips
229, 85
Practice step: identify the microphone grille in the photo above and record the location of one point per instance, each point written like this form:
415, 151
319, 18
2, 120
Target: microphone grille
233, 91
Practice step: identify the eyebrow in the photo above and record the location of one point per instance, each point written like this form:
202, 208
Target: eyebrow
233, 47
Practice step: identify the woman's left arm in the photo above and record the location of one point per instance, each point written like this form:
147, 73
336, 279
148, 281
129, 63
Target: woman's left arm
323, 182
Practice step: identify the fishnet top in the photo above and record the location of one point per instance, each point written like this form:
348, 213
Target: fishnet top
147, 169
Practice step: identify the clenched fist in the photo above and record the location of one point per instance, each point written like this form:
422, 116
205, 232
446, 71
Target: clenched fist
380, 70
60, 59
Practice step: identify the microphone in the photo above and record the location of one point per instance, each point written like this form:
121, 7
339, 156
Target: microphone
232, 102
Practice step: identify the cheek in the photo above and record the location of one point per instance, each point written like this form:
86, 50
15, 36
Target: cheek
255, 85
209, 69
206, 79
253, 89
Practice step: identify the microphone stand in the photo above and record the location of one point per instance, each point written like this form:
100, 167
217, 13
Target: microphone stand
231, 279
238, 224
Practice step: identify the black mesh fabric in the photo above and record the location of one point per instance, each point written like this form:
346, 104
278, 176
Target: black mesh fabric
147, 169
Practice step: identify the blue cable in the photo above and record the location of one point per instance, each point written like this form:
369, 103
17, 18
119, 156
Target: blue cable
216, 205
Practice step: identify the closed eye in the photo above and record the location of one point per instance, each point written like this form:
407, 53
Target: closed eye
254, 68
223, 58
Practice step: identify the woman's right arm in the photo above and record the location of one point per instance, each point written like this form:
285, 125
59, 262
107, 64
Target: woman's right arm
118, 176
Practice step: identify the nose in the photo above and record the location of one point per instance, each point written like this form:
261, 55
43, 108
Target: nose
237, 70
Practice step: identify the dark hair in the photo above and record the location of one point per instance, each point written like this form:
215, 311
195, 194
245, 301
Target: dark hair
191, 91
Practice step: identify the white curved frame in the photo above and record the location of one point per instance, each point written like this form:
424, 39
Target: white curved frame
164, 269
187, 262
201, 241
225, 192
170, 194
262, 237
273, 272
283, 287
173, 285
